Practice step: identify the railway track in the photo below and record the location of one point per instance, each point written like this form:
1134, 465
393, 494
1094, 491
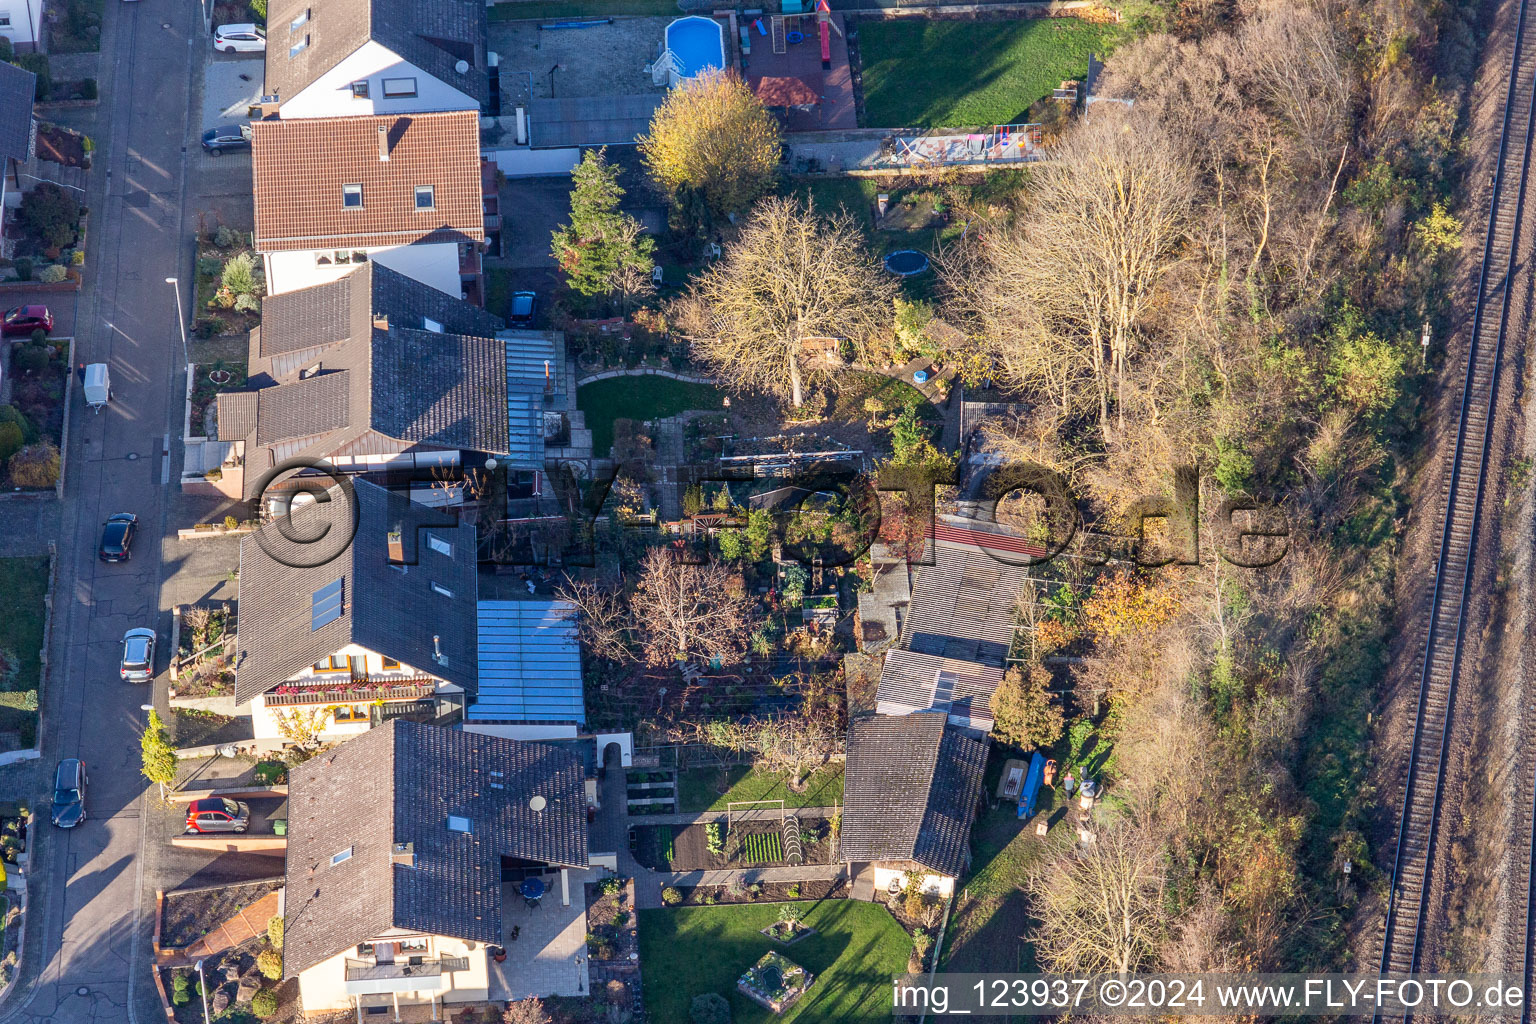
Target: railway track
1463, 494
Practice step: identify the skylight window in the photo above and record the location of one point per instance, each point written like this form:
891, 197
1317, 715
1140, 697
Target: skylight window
344, 855
300, 21
439, 588
426, 197
439, 545
325, 605
352, 196
458, 824
428, 324
298, 47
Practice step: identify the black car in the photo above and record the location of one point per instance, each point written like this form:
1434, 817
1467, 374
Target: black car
69, 793
525, 306
226, 136
117, 537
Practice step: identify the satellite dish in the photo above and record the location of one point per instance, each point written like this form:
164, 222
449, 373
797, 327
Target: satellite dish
462, 67
537, 803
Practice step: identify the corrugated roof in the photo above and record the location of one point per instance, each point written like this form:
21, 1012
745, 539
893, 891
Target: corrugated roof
912, 681
911, 790
393, 789
963, 605
530, 664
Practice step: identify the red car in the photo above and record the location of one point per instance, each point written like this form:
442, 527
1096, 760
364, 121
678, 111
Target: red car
215, 814
24, 320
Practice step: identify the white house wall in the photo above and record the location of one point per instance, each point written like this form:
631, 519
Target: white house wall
331, 94
435, 264
323, 986
940, 885
264, 720
26, 21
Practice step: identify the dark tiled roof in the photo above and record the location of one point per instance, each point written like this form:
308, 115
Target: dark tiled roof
299, 168
17, 88
303, 408
434, 35
390, 609
910, 791
401, 782
441, 389
237, 412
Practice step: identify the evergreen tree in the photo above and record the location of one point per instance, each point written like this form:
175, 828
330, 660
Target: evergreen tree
602, 249
159, 754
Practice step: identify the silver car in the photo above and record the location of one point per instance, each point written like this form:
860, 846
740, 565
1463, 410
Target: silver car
138, 656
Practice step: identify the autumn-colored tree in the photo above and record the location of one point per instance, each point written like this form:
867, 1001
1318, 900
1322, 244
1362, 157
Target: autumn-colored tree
714, 138
602, 249
1022, 710
690, 611
526, 1011
1122, 605
792, 277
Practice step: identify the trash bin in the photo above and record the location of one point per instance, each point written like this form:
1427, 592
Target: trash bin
280, 826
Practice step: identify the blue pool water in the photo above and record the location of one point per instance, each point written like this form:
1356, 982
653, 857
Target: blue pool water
698, 43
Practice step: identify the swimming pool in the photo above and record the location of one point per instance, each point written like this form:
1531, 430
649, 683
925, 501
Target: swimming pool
698, 44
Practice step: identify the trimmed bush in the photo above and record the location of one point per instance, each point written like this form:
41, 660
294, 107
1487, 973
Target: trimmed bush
31, 358
53, 273
709, 1008
36, 465
20, 700
671, 897
275, 922
23, 269
264, 1003
270, 963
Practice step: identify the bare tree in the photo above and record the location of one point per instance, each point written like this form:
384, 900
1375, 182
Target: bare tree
1101, 907
688, 611
791, 278
602, 620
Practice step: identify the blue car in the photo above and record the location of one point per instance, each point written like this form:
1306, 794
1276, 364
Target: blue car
525, 306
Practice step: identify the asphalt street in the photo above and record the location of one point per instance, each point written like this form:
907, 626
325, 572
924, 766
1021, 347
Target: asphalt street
88, 927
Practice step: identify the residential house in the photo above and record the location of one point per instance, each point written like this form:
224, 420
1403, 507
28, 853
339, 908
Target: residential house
21, 21
368, 57
401, 846
376, 371
910, 791
403, 190
17, 88
386, 628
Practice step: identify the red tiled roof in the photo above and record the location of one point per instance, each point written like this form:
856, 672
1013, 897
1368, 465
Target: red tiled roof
301, 165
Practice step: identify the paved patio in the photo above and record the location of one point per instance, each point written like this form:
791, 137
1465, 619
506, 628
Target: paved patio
549, 955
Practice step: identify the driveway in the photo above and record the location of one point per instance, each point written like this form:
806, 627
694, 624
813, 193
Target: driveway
61, 304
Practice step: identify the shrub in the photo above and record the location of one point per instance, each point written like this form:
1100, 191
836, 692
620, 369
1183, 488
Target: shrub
36, 465
181, 993
50, 213
264, 1003
525, 1011
709, 1008
610, 886
210, 326
11, 414
77, 258
714, 838
258, 10
6, 50
247, 303
21, 700
275, 922
23, 269
671, 897
226, 237
31, 358
271, 773
37, 63
270, 963
88, 91
39, 337
239, 274
915, 905
11, 439
53, 273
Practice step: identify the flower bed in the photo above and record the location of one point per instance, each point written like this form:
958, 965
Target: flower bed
775, 981
212, 379
749, 844
762, 892
611, 933
38, 385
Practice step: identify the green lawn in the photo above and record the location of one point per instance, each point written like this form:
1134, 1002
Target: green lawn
958, 74
518, 11
23, 582
855, 386
638, 398
498, 291
857, 949
698, 788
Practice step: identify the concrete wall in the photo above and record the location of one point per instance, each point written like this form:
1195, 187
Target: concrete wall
435, 264
323, 986
331, 94
520, 162
942, 885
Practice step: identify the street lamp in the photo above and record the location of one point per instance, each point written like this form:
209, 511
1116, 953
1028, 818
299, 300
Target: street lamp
552, 80
202, 988
181, 319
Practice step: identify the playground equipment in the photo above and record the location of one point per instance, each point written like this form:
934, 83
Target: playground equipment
824, 22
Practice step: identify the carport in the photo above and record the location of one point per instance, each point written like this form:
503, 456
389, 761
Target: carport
591, 120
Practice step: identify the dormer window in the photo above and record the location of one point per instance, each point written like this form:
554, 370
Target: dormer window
352, 196
300, 21
360, 90
426, 197
309, 371
298, 47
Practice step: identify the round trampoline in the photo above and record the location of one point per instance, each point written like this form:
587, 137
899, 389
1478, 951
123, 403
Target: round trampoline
906, 262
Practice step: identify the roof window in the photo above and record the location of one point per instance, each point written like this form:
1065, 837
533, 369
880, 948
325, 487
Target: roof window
426, 197
352, 196
342, 857
456, 823
325, 605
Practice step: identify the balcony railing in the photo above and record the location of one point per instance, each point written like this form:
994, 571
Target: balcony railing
363, 970
356, 690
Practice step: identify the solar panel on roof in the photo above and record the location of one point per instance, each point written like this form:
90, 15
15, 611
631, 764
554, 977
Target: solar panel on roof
325, 605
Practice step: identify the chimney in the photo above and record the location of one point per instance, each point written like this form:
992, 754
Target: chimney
403, 854
381, 320
384, 143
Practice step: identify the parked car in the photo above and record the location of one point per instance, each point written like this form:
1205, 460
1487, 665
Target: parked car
117, 537
242, 38
226, 136
138, 655
69, 793
23, 320
215, 814
525, 305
